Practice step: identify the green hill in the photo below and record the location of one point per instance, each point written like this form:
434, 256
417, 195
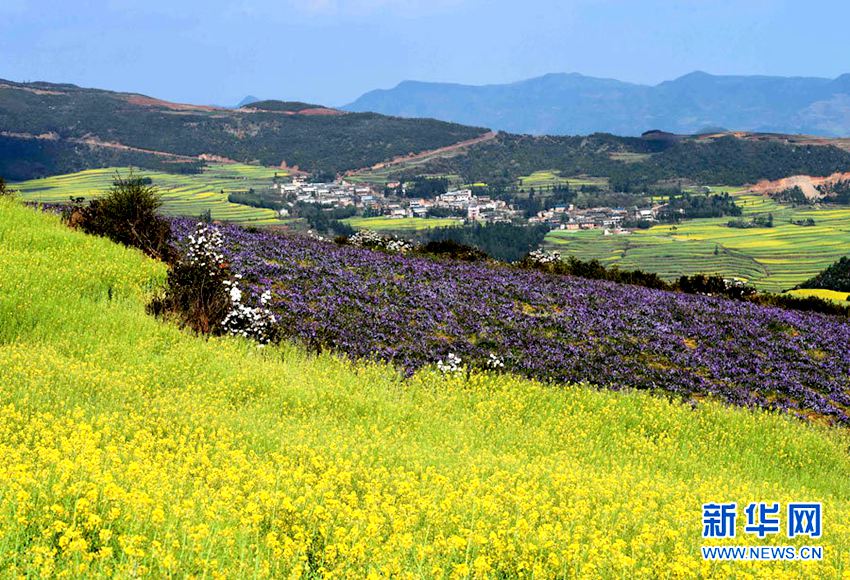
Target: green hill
130, 447
636, 164
49, 129
835, 277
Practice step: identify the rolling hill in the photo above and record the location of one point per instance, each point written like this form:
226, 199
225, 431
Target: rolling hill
129, 447
573, 104
50, 129
59, 128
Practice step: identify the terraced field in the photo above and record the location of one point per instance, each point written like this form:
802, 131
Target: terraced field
387, 224
770, 258
188, 195
545, 179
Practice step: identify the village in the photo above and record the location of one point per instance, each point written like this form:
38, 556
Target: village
462, 203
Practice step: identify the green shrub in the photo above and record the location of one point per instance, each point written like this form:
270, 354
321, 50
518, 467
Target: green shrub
128, 214
453, 250
5, 190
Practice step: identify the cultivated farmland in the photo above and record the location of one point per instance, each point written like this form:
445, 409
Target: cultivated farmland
772, 259
387, 224
188, 195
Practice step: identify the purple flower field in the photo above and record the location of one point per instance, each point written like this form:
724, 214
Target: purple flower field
415, 311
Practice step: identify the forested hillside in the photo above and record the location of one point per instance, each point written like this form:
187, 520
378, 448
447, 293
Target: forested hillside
632, 162
73, 126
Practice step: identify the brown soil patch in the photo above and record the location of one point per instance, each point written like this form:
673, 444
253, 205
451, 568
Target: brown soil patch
454, 148
143, 101
216, 159
806, 183
41, 137
31, 90
320, 111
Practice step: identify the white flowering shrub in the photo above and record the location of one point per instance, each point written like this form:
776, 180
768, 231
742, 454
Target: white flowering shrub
398, 246
370, 239
317, 236
365, 239
452, 364
204, 249
543, 257
255, 322
495, 362
209, 299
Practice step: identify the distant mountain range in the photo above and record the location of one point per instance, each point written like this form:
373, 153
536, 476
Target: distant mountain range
573, 104
248, 100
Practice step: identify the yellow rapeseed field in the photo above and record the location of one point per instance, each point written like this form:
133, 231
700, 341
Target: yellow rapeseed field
131, 448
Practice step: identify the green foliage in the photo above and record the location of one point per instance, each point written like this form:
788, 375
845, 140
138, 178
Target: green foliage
128, 214
452, 250
755, 222
253, 199
192, 297
729, 160
808, 222
446, 212
804, 303
838, 192
594, 270
427, 187
502, 241
5, 190
835, 277
325, 220
283, 106
792, 195
687, 206
22, 159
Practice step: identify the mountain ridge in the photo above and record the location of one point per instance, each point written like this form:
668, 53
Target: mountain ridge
572, 104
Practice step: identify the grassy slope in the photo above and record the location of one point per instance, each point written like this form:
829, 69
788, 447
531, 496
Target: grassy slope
127, 445
182, 194
773, 259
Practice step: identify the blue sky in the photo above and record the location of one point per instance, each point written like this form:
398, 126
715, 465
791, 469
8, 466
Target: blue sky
331, 51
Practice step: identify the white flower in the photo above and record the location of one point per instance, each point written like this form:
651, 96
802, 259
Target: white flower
541, 256
495, 362
452, 364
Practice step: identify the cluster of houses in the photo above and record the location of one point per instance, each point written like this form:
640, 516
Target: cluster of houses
462, 203
568, 217
474, 207
334, 194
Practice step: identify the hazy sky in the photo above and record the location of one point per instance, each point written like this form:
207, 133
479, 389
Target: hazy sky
331, 51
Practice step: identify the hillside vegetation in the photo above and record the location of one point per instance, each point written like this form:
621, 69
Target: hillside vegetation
416, 311
130, 447
188, 195
835, 277
722, 159
50, 129
61, 128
